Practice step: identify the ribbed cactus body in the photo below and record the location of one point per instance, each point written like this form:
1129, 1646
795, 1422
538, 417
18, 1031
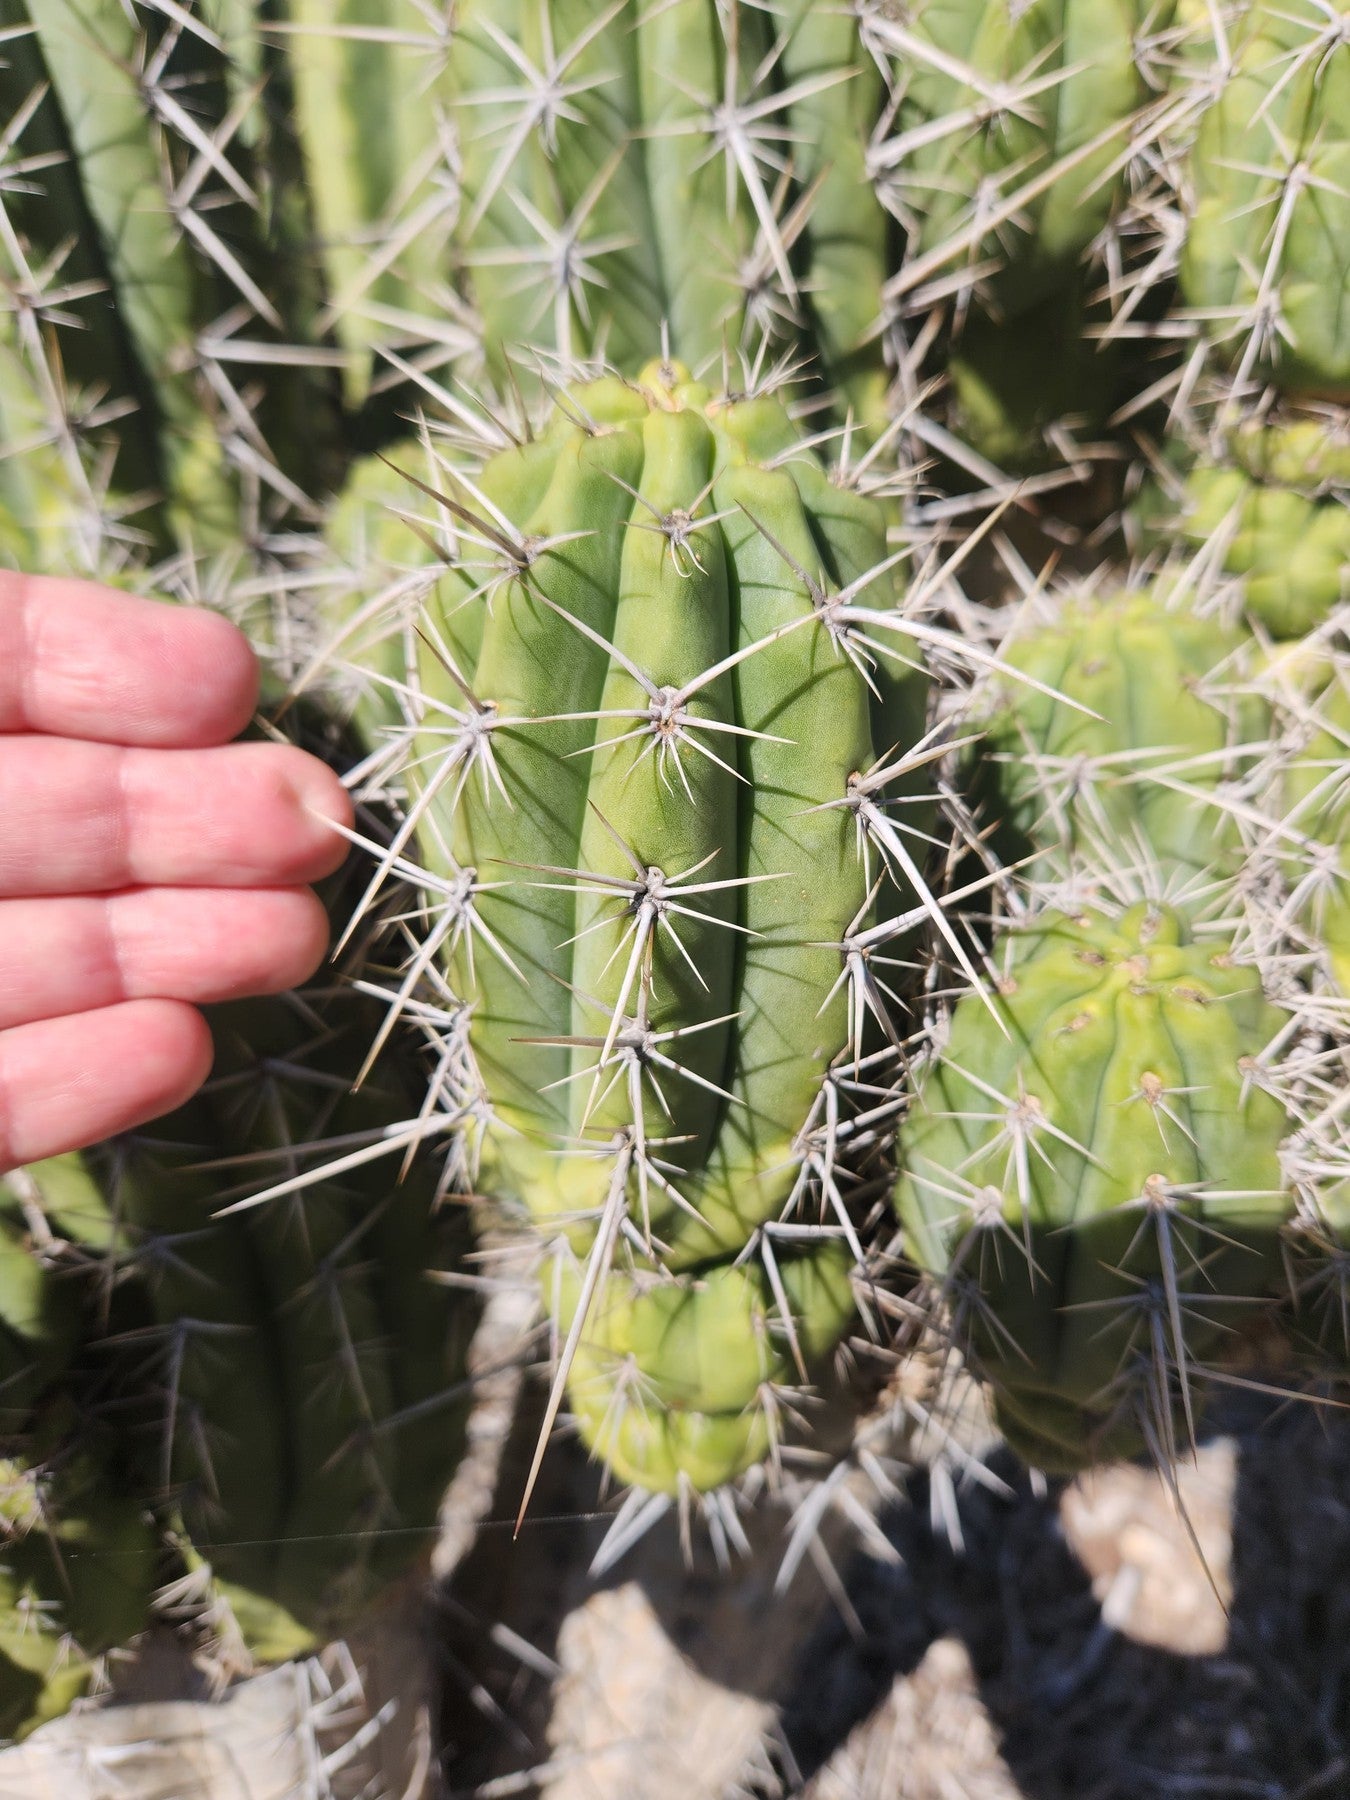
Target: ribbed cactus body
370, 88
1272, 509
1096, 1185
172, 245
1010, 132
305, 1359
656, 843
685, 177
677, 1384
659, 668
1265, 262
1116, 735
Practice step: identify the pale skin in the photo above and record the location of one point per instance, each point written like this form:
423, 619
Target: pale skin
148, 865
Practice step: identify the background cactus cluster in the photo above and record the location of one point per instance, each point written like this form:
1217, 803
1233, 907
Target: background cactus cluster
820, 538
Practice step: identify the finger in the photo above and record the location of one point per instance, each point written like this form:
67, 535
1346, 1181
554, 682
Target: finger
68, 1082
81, 818
80, 660
68, 956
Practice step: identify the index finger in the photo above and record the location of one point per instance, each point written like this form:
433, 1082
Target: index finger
84, 661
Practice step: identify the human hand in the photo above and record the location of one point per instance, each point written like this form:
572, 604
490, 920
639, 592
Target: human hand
147, 864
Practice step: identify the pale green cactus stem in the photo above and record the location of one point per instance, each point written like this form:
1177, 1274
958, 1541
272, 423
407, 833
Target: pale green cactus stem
1119, 738
649, 799
840, 102
677, 1383
96, 69
385, 545
557, 226
372, 115
157, 225
665, 699
1272, 509
679, 179
1265, 263
1095, 1186
1010, 136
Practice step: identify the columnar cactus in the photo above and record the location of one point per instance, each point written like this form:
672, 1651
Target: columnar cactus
1264, 263
302, 1366
665, 700
143, 230
687, 177
1011, 135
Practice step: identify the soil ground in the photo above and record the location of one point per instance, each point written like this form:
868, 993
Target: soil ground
1069, 1646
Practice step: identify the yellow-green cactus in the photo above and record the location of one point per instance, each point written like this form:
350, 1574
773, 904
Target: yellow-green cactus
1091, 1176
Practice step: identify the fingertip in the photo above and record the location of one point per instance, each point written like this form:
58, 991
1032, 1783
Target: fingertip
310, 937
66, 1083
327, 808
297, 941
175, 1053
228, 677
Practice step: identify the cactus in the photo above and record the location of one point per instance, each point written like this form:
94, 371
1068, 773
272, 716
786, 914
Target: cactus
212, 215
681, 180
300, 1367
160, 242
1267, 505
1011, 129
1093, 1178
662, 686
1264, 263
1120, 737
679, 1384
